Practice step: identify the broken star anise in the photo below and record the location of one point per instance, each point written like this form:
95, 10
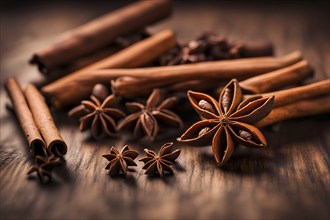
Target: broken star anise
44, 167
161, 163
144, 118
119, 161
227, 122
102, 117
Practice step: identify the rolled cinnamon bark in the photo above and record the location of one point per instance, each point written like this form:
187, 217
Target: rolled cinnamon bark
71, 89
141, 81
278, 79
302, 108
25, 118
266, 82
100, 32
119, 44
195, 85
81, 62
286, 96
44, 121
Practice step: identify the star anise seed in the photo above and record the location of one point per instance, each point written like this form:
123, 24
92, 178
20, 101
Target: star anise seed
160, 163
100, 91
205, 105
203, 131
229, 124
120, 161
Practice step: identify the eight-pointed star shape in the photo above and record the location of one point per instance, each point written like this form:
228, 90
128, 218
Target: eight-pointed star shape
227, 121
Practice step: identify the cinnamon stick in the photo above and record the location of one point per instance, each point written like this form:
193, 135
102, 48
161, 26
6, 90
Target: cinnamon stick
119, 44
141, 81
82, 62
195, 85
44, 121
100, 32
291, 95
25, 118
258, 84
277, 79
74, 87
302, 108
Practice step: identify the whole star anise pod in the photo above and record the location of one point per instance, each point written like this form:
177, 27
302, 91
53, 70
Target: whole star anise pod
227, 122
161, 163
119, 161
102, 117
144, 118
100, 91
44, 167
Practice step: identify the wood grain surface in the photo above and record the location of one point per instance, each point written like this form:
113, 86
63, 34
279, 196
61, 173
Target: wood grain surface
288, 180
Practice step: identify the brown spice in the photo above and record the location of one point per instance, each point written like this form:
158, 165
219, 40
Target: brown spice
44, 167
286, 96
302, 108
25, 117
144, 118
100, 32
210, 46
160, 163
71, 89
229, 124
120, 43
120, 161
44, 121
141, 81
100, 91
102, 117
278, 79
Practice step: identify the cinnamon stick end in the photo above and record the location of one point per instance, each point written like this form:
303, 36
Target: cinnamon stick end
58, 148
38, 148
41, 66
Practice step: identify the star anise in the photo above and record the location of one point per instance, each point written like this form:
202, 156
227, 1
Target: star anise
227, 122
44, 167
100, 91
119, 161
160, 163
144, 118
101, 117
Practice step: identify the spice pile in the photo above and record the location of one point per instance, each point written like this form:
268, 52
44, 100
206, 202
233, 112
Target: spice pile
125, 80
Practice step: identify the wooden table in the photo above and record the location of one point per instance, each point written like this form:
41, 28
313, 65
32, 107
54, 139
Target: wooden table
289, 179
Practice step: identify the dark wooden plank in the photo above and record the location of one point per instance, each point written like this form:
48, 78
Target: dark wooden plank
289, 179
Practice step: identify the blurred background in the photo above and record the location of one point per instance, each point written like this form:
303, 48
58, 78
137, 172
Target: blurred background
290, 179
